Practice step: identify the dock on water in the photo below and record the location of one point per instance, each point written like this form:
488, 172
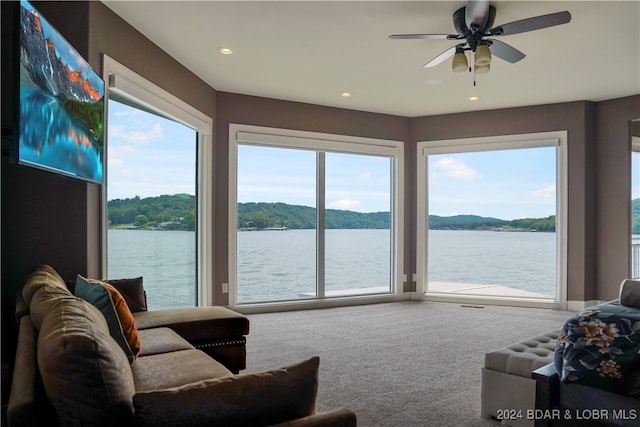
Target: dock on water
442, 288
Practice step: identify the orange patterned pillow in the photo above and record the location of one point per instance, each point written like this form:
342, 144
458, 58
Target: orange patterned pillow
110, 302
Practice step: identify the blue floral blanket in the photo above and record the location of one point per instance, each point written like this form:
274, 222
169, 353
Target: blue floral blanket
600, 347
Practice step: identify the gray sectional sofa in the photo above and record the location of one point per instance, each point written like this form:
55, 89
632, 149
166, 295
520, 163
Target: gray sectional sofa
71, 370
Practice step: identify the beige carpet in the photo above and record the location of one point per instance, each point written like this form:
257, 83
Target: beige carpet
398, 364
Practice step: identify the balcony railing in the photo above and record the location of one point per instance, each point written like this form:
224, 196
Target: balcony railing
635, 258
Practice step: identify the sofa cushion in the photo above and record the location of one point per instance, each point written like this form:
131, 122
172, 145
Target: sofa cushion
161, 340
258, 399
177, 368
132, 291
85, 373
42, 275
108, 300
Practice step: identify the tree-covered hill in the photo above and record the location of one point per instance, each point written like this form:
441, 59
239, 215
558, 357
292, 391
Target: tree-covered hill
466, 222
474, 222
263, 215
179, 212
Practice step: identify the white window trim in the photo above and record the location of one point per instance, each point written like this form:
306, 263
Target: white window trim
122, 80
266, 136
542, 139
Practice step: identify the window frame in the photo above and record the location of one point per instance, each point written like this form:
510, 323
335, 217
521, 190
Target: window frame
635, 149
287, 138
492, 143
130, 85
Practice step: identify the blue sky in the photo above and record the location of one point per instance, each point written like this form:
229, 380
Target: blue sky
506, 184
149, 156
354, 182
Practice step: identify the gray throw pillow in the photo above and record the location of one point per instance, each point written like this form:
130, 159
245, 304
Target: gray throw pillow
630, 293
133, 292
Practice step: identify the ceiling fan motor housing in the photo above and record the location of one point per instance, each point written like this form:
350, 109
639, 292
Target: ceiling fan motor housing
472, 35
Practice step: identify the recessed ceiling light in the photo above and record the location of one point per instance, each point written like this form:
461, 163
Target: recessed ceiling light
474, 98
225, 51
345, 94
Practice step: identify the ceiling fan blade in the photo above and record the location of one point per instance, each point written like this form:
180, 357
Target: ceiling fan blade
423, 36
476, 13
531, 24
440, 58
505, 51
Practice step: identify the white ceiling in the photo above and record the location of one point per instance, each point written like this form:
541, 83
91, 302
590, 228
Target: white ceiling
312, 51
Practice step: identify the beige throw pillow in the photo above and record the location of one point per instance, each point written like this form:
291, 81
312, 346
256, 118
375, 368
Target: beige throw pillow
258, 399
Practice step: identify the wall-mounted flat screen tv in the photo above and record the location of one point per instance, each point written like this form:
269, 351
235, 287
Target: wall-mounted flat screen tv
61, 119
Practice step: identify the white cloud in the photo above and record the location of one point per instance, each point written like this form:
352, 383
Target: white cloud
115, 162
455, 168
345, 204
137, 137
365, 175
546, 192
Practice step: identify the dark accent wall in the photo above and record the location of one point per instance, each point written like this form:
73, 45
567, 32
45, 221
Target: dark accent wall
44, 215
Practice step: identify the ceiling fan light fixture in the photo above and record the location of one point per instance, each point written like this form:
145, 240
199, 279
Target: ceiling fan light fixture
482, 69
459, 63
482, 56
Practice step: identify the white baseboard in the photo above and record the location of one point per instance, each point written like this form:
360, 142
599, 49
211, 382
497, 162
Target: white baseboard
579, 305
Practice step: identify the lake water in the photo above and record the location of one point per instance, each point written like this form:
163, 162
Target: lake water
165, 260
280, 265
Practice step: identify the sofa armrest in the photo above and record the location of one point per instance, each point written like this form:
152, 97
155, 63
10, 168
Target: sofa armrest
27, 406
342, 417
547, 390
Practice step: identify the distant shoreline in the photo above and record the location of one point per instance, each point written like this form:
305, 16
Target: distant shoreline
179, 212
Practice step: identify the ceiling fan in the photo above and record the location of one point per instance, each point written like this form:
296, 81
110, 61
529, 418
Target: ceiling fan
474, 27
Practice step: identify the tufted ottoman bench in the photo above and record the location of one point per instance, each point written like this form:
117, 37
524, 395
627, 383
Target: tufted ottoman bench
507, 390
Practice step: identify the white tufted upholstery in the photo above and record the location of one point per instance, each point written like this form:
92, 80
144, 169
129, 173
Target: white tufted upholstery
506, 376
524, 357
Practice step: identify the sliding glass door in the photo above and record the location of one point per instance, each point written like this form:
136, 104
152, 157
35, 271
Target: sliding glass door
313, 219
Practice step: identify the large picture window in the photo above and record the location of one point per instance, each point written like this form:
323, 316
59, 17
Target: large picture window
151, 203
312, 216
491, 218
157, 212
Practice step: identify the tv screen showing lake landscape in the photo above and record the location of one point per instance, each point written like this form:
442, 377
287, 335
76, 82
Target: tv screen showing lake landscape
61, 120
